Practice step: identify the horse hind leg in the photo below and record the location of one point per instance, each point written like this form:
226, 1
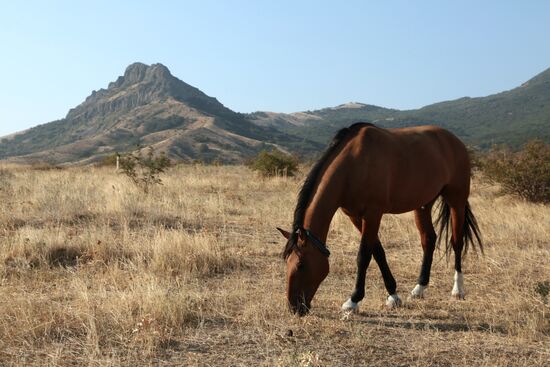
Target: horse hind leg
423, 220
457, 241
455, 202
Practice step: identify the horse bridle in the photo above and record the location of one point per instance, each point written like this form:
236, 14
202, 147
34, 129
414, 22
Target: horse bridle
321, 246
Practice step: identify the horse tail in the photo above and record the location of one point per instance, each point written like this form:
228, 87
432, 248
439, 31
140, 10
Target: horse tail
470, 233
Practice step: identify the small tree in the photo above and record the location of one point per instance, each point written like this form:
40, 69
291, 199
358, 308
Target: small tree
144, 170
274, 163
525, 173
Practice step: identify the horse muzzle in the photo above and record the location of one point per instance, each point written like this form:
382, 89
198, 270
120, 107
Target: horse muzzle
300, 308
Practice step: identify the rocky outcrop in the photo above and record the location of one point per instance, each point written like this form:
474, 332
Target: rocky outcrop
140, 85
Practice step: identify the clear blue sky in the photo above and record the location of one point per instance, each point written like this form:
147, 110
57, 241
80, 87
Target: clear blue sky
280, 56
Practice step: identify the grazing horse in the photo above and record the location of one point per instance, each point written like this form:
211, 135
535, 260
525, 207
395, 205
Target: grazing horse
368, 171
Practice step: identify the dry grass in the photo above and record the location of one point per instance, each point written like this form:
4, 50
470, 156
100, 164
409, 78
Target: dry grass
94, 272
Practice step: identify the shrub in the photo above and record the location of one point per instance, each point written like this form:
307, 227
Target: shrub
475, 158
525, 173
274, 163
44, 166
108, 160
144, 170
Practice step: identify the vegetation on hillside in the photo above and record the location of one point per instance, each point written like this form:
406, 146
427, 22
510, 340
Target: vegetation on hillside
169, 110
149, 106
512, 117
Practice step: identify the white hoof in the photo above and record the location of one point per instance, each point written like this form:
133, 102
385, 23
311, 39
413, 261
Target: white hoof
393, 301
458, 288
418, 291
458, 296
350, 306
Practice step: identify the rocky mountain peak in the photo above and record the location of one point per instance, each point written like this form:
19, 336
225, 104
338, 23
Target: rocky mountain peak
134, 73
139, 72
140, 85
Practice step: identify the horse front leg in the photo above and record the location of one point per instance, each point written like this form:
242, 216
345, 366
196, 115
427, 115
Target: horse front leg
370, 246
393, 299
363, 260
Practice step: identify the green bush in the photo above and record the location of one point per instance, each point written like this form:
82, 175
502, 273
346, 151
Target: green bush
525, 173
144, 170
274, 163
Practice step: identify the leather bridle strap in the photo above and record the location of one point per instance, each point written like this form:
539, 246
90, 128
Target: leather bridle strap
321, 246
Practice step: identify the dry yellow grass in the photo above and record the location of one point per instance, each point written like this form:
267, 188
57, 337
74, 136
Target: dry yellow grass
95, 272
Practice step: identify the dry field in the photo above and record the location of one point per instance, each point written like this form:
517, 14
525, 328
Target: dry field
94, 272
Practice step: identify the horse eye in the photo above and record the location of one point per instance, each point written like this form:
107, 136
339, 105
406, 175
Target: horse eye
300, 266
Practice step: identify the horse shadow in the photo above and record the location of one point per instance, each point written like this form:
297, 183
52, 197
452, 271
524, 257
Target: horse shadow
394, 321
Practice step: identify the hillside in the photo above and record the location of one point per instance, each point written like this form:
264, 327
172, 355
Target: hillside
148, 106
510, 117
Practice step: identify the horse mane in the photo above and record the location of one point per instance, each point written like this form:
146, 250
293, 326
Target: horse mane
310, 184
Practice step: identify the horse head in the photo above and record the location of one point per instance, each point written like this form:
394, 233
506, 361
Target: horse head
306, 267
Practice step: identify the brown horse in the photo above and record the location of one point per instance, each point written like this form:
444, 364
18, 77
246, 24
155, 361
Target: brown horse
368, 171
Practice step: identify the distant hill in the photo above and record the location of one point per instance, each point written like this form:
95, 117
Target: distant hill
510, 117
149, 106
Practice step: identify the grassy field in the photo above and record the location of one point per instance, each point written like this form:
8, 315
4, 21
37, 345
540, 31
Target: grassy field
95, 272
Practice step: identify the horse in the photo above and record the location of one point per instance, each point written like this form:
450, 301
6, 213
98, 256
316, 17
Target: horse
368, 171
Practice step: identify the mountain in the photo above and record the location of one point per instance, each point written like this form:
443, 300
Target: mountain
512, 117
148, 106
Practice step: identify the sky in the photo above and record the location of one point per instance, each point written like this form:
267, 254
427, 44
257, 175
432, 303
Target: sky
282, 56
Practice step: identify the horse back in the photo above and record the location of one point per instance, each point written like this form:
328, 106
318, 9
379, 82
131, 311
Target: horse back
402, 169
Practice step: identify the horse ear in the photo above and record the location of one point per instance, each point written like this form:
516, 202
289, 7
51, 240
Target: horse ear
286, 234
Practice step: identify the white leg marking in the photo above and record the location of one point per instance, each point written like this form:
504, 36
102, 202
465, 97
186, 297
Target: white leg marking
393, 301
458, 288
350, 306
418, 291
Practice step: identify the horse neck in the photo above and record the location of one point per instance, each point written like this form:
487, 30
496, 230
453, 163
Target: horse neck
323, 206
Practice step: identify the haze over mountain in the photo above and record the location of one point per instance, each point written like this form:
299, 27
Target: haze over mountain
149, 106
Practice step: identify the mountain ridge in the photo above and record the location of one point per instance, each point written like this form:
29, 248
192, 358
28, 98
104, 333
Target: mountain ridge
147, 105
510, 117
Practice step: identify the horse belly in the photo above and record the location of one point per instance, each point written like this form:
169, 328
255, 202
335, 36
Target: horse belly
409, 204
414, 192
